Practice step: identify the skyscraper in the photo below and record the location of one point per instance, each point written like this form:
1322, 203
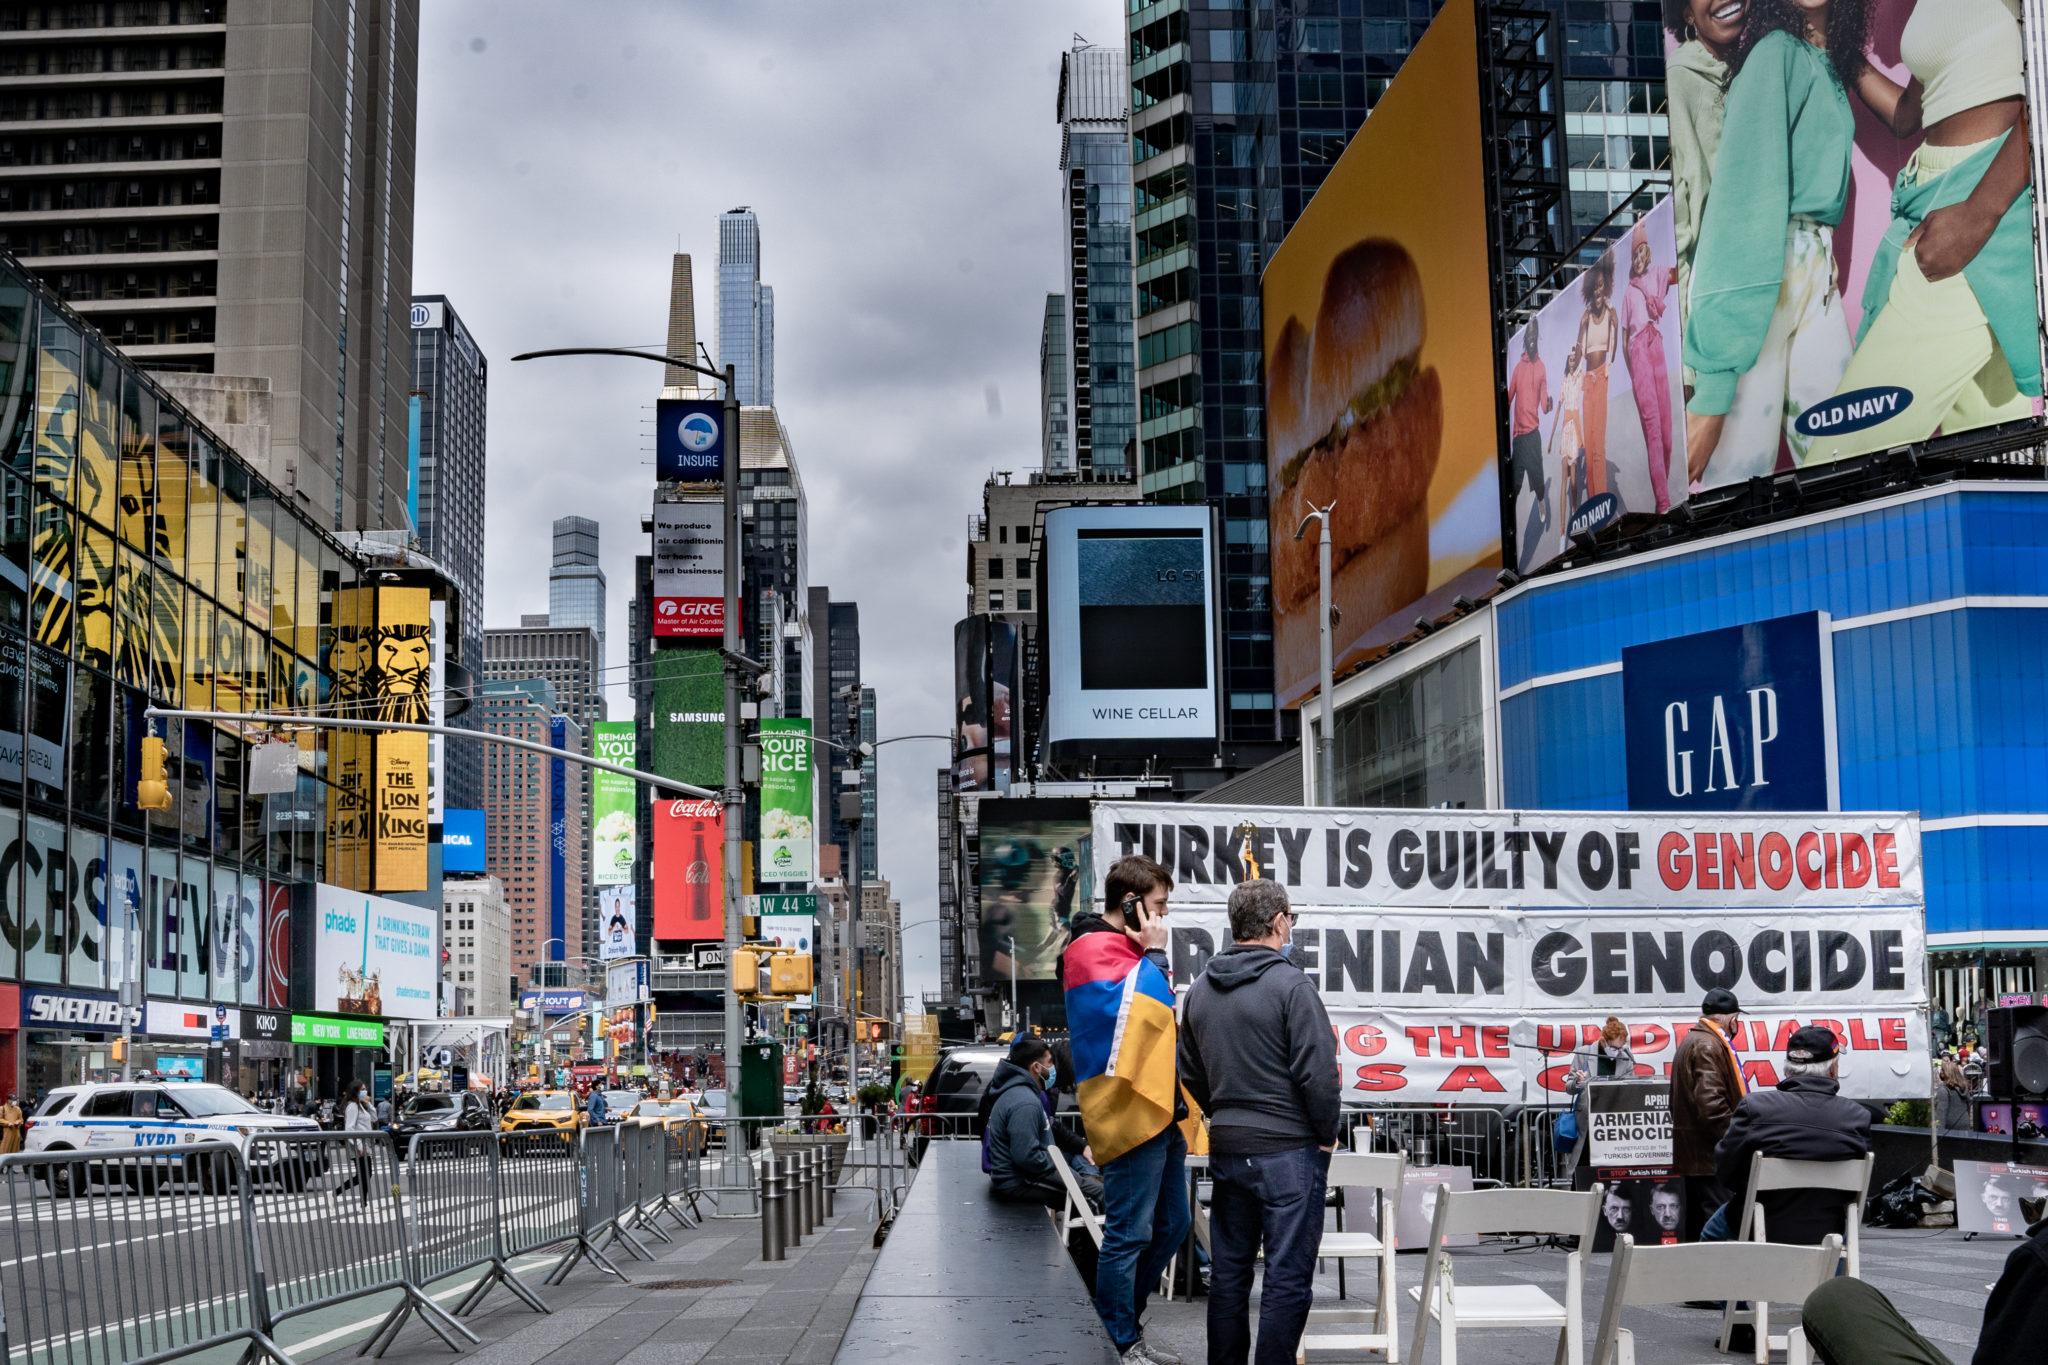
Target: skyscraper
835, 663
449, 387
225, 190
746, 309
576, 587
1095, 161
1054, 437
518, 809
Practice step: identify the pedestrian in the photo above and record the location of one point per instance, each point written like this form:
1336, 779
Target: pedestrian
12, 1125
1607, 1058
1706, 1085
599, 1110
1940, 1029
1802, 1118
384, 1112
357, 1117
1258, 1055
1017, 1140
1121, 1024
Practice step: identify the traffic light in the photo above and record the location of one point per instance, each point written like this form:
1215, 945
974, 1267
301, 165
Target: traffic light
152, 788
119, 1051
790, 974
746, 972
878, 1030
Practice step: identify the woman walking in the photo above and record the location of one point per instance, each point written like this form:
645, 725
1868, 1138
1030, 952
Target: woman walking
1765, 332
357, 1117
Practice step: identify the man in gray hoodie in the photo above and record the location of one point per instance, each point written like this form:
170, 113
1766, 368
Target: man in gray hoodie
1257, 1054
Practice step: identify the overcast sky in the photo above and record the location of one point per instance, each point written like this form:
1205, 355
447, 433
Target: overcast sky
903, 160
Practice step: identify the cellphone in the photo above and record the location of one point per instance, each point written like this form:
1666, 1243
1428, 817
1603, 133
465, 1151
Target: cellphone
1129, 904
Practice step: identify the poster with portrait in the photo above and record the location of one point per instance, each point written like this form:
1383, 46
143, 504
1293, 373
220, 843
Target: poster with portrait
1595, 406
1649, 1207
1420, 1190
1036, 875
1988, 1195
1876, 286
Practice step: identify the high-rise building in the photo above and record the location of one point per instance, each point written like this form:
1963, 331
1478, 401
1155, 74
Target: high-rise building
519, 813
774, 563
746, 309
449, 388
566, 658
576, 585
1095, 164
870, 794
835, 663
1054, 435
225, 190
881, 959
476, 935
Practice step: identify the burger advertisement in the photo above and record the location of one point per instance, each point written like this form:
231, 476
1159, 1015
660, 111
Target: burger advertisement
1379, 372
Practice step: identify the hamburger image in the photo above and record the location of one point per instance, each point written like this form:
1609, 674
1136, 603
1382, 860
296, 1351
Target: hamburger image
1354, 419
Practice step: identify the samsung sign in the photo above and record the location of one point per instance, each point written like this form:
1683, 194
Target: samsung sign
1734, 719
1130, 612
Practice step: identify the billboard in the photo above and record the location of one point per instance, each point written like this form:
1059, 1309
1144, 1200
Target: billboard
462, 841
1036, 875
1130, 611
689, 716
984, 683
1380, 397
1593, 383
381, 656
356, 953
612, 826
689, 569
1451, 948
689, 439
689, 870
625, 983
615, 919
1813, 330
789, 847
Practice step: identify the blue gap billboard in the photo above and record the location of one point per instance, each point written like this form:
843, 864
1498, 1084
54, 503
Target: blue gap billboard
1740, 719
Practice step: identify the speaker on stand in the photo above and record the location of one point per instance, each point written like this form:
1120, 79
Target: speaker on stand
2016, 1060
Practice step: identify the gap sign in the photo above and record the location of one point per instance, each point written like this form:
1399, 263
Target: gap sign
1734, 719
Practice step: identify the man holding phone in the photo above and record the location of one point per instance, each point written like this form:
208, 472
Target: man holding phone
1121, 1029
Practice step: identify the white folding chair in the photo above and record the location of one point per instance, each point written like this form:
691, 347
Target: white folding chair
1078, 1209
1465, 1307
1768, 1173
1198, 1222
1381, 1173
1714, 1270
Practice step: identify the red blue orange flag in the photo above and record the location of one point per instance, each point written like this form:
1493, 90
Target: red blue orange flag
1121, 1028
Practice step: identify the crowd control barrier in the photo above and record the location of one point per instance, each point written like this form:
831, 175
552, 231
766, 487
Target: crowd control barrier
452, 1184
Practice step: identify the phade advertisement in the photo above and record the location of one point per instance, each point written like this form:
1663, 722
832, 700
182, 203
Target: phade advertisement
1379, 383
1468, 953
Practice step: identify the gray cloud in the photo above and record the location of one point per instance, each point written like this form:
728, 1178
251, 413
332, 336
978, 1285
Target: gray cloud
903, 160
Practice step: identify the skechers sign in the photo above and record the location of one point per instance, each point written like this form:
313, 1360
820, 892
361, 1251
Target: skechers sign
1734, 719
59, 1009
689, 440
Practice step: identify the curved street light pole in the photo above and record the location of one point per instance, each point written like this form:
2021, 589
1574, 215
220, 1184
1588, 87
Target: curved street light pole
730, 796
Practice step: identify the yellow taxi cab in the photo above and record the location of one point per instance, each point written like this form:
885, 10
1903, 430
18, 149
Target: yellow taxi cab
674, 1115
544, 1111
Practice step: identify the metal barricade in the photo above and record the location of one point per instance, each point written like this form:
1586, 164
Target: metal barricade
1447, 1135
451, 1183
680, 1152
597, 1202
330, 1226
538, 1191
128, 1259
641, 1142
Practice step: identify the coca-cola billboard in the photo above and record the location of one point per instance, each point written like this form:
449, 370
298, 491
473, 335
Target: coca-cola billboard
689, 870
689, 569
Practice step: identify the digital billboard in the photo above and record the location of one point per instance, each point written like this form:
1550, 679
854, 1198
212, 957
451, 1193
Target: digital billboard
462, 841
1130, 613
1036, 875
689, 569
616, 916
1587, 444
689, 439
1379, 371
355, 953
689, 716
1871, 282
612, 827
984, 680
689, 870
789, 847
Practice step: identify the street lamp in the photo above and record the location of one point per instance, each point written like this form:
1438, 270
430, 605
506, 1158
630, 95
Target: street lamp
1326, 742
730, 796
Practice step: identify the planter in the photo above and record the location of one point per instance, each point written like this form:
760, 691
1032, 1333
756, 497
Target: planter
796, 1144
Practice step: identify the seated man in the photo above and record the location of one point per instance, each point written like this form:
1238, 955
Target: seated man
1848, 1322
1017, 1134
1802, 1118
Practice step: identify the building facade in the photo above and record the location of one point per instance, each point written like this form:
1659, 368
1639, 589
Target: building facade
746, 309
774, 561
576, 594
225, 189
476, 934
1095, 166
520, 810
450, 386
1055, 431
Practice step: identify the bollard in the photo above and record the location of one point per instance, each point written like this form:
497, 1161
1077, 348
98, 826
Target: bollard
825, 1212
793, 1203
800, 1202
771, 1209
811, 1183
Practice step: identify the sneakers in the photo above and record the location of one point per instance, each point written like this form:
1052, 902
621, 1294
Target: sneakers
1142, 1353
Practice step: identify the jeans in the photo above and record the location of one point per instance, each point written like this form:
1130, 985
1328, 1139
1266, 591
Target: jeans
1850, 1323
1718, 1228
1145, 1218
1276, 1199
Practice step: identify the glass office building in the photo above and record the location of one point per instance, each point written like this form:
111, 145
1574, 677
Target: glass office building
1095, 161
143, 560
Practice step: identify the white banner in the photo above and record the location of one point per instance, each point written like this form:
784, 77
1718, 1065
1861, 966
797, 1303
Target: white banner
1522, 859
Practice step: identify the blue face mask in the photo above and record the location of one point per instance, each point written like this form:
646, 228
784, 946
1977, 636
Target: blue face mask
1052, 1073
1287, 951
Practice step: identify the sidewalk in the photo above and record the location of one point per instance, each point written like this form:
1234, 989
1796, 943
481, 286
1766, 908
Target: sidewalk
708, 1297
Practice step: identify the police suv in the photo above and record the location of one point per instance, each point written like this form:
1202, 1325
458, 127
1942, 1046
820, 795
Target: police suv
157, 1119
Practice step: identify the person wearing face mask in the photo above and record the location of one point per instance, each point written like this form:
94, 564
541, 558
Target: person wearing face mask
1017, 1135
1257, 1054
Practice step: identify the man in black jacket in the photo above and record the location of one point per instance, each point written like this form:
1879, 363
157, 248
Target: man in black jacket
1257, 1054
1017, 1136
1803, 1118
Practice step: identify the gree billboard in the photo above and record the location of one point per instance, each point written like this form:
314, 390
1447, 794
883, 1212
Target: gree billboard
1379, 372
689, 570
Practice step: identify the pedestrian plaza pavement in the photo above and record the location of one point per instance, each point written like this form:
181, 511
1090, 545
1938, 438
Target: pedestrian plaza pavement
1938, 1280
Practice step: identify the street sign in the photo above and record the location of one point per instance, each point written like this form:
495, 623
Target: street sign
707, 957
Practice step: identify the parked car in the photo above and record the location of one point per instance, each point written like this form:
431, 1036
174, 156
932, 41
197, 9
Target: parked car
155, 1118
953, 1090
462, 1111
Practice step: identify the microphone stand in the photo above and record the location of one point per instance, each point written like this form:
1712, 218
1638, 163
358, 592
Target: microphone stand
1549, 1096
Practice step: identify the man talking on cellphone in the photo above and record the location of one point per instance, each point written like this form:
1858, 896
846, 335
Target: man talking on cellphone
1121, 1028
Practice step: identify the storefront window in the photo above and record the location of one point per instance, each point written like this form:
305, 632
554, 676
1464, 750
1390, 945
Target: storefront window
56, 444
1417, 742
99, 435
17, 363
142, 513
173, 477
53, 548
16, 504
132, 620
95, 587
